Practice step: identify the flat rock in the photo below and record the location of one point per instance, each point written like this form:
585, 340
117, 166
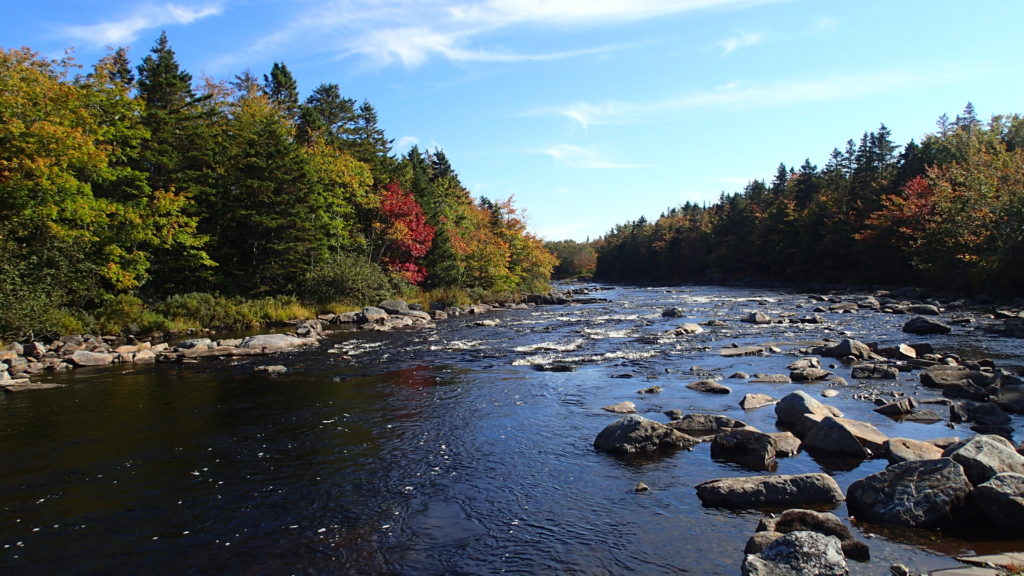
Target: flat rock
872, 371
808, 374
799, 411
626, 407
741, 351
83, 358
756, 318
786, 444
984, 456
275, 342
703, 424
635, 434
709, 386
754, 400
770, 379
906, 450
922, 493
687, 329
789, 491
900, 407
845, 437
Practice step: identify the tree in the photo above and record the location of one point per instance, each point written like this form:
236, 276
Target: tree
283, 90
403, 235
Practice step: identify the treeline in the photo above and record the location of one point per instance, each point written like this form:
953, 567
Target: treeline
126, 184
946, 213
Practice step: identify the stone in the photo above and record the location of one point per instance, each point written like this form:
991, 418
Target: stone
846, 347
703, 424
799, 411
272, 369
786, 444
770, 379
672, 313
641, 487
875, 372
144, 357
739, 376
905, 450
821, 522
374, 314
922, 309
687, 329
845, 437
809, 362
984, 456
922, 326
268, 343
745, 446
808, 374
626, 407
756, 318
900, 407
1001, 500
650, 390
754, 400
633, 434
986, 413
709, 386
798, 553
741, 351
83, 358
922, 493
817, 489
394, 307
195, 343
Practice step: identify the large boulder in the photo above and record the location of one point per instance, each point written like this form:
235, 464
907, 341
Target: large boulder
1001, 500
756, 318
798, 554
875, 371
747, 447
844, 437
394, 306
826, 523
782, 491
905, 450
846, 347
799, 411
374, 314
638, 435
923, 493
704, 424
269, 343
984, 456
83, 358
922, 326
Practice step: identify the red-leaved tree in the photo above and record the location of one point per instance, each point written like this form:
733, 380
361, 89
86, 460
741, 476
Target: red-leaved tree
405, 236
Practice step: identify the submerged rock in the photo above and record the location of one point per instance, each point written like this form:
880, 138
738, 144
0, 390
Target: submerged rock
745, 446
709, 386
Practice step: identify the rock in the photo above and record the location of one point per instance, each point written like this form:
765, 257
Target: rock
922, 309
824, 523
650, 390
419, 315
786, 444
907, 450
1001, 500
845, 437
798, 553
274, 369
687, 329
829, 393
942, 376
742, 351
770, 379
641, 487
487, 323
704, 424
922, 326
756, 318
984, 456
672, 313
621, 408
808, 374
144, 357
638, 435
875, 372
739, 376
816, 489
373, 314
747, 447
674, 414
751, 401
709, 386
195, 343
439, 315
986, 414
83, 358
394, 307
760, 540
923, 493
800, 411
809, 362
269, 343
844, 348
716, 324
900, 407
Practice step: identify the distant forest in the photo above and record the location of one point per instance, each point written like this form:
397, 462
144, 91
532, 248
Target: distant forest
125, 187
947, 213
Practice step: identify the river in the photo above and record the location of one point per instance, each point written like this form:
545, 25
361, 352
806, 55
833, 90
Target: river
439, 451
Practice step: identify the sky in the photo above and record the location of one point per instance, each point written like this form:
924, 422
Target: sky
590, 113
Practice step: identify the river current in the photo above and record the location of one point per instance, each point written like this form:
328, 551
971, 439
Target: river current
437, 451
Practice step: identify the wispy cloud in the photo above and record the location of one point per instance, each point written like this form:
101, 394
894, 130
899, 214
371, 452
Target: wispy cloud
144, 17
825, 26
578, 157
735, 95
742, 40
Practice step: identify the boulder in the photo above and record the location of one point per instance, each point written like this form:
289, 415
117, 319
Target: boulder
786, 444
986, 414
922, 326
195, 343
821, 522
703, 424
796, 554
745, 446
626, 407
787, 491
83, 358
638, 435
900, 407
770, 379
751, 401
269, 343
846, 347
672, 313
799, 411
709, 386
808, 374
144, 357
1001, 500
906, 450
984, 456
374, 314
875, 372
687, 329
756, 318
922, 493
845, 437
394, 307
809, 362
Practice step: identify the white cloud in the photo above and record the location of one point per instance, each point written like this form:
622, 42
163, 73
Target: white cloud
405, 143
743, 40
577, 157
146, 16
825, 26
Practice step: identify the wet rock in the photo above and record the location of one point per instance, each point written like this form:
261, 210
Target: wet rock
986, 414
907, 450
716, 324
756, 318
922, 326
922, 493
709, 386
800, 411
641, 487
672, 313
394, 306
901, 407
195, 343
487, 323
1001, 500
809, 362
984, 456
687, 329
809, 374
621, 408
739, 376
704, 424
789, 491
745, 446
751, 401
786, 444
770, 379
650, 390
742, 351
271, 369
638, 435
144, 357
844, 437
83, 358
798, 553
846, 347
825, 523
875, 372
674, 414
555, 367
269, 343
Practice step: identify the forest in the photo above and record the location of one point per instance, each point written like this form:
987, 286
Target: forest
946, 213
136, 197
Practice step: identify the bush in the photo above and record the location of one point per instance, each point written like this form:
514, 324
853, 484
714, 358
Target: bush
347, 277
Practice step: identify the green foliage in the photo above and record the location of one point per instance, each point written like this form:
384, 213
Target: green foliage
347, 277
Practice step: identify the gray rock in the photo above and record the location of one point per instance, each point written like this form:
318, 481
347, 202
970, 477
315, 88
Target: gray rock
922, 493
984, 456
672, 313
269, 343
709, 386
788, 491
195, 343
1001, 500
638, 435
922, 309
374, 314
809, 362
801, 412
798, 554
986, 413
900, 407
875, 372
687, 329
921, 326
786, 444
745, 446
846, 347
753, 400
395, 307
83, 358
756, 318
626, 407
821, 522
845, 437
770, 379
907, 450
703, 424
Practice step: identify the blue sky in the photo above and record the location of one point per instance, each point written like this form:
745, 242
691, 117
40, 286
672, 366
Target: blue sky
591, 112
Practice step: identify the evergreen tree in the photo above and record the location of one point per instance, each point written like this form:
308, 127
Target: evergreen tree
282, 89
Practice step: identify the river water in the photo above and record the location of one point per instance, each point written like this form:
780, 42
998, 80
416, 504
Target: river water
441, 451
